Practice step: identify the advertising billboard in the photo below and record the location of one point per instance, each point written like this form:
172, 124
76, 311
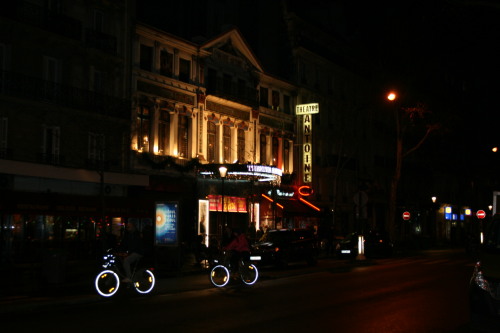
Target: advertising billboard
167, 217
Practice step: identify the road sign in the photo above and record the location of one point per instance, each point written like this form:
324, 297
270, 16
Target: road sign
481, 214
406, 216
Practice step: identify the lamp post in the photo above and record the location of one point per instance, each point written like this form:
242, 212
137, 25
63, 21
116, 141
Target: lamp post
223, 172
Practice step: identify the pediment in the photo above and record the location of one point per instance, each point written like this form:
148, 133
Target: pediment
233, 45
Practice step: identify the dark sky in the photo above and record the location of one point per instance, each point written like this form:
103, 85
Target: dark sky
445, 51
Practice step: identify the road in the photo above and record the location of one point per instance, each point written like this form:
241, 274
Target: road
424, 293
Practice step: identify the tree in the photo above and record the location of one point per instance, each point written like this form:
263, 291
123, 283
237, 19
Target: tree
406, 117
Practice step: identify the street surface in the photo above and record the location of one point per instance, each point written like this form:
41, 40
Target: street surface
423, 293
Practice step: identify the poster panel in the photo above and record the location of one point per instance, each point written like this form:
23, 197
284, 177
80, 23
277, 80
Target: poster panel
167, 217
203, 218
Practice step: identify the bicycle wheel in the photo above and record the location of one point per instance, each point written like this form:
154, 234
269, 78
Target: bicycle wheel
249, 273
107, 283
144, 281
219, 276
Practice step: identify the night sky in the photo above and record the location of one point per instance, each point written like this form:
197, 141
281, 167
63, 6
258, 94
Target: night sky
446, 53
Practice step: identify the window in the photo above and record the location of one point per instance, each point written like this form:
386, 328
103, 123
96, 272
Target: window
98, 21
263, 148
99, 82
211, 142
3, 136
183, 138
51, 72
164, 132
146, 58
302, 72
286, 104
3, 51
50, 144
226, 139
275, 150
166, 63
227, 83
184, 70
275, 97
211, 81
143, 130
96, 147
264, 97
286, 156
242, 87
241, 145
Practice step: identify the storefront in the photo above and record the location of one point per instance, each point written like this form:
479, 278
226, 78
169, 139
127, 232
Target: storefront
248, 197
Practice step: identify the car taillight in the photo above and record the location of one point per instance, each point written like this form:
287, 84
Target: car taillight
276, 249
479, 278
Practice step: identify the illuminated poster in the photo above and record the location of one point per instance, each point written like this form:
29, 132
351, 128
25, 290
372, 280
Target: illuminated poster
167, 214
203, 220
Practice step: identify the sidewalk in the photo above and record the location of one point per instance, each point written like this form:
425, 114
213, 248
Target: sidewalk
28, 294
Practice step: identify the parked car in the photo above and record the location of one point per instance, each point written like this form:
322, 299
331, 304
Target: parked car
283, 246
376, 244
484, 288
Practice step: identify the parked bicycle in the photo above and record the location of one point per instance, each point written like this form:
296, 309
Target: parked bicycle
222, 270
108, 281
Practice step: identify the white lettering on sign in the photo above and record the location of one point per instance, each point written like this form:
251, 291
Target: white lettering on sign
307, 149
264, 169
302, 109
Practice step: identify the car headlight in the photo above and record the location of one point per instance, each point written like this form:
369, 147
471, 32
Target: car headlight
479, 278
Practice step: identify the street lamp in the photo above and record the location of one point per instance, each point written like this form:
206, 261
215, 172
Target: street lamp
391, 96
223, 172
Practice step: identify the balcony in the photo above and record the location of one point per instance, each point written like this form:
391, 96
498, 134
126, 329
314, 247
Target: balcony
247, 96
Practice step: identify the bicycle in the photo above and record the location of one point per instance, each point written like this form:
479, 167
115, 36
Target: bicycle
220, 274
108, 281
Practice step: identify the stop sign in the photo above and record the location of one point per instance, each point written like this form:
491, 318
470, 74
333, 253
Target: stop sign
406, 216
481, 214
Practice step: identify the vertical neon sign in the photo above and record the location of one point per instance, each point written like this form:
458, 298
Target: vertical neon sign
307, 149
307, 110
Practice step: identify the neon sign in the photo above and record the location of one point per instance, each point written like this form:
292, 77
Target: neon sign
305, 190
307, 149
